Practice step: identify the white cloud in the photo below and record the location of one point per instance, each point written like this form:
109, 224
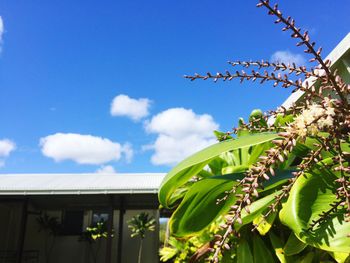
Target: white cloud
106, 169
286, 56
83, 149
136, 109
128, 152
6, 147
2, 29
181, 132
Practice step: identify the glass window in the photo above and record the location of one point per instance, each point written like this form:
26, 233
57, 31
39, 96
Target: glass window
73, 222
98, 216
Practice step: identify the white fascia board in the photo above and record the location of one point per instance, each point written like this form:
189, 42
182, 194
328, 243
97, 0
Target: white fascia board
77, 192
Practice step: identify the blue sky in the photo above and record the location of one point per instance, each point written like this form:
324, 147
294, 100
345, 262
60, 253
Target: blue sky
62, 63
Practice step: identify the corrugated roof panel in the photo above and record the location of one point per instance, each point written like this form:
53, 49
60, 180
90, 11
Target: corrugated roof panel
34, 184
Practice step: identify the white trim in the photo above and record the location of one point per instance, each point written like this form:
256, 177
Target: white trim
77, 192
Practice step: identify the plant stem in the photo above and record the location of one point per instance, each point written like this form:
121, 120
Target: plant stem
51, 248
140, 251
46, 248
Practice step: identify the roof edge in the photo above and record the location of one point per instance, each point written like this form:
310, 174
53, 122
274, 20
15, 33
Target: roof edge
342, 47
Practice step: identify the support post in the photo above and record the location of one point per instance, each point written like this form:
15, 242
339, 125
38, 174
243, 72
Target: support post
120, 230
109, 231
23, 229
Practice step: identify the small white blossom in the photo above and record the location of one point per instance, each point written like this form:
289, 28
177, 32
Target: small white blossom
313, 119
330, 111
315, 111
326, 122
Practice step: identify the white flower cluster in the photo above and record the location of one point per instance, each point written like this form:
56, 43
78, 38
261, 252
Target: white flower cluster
313, 119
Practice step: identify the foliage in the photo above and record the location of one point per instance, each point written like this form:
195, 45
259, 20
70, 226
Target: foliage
189, 250
288, 182
139, 226
96, 232
49, 224
94, 235
51, 228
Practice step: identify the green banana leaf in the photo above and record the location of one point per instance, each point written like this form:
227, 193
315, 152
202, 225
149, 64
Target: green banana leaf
257, 208
179, 194
244, 254
199, 208
261, 252
293, 245
264, 224
239, 160
282, 121
311, 195
340, 257
309, 258
303, 148
191, 166
277, 245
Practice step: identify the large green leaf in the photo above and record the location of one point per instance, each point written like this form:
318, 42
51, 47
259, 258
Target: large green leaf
244, 254
261, 252
311, 195
199, 208
309, 258
263, 223
270, 191
303, 148
191, 166
239, 160
277, 245
340, 257
294, 245
282, 120
257, 208
179, 194
276, 181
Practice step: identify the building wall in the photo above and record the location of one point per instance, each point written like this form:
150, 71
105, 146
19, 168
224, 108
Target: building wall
131, 245
64, 249
10, 220
68, 249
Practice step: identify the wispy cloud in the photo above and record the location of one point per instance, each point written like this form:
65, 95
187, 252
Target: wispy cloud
288, 57
180, 133
83, 149
106, 169
6, 147
128, 152
136, 109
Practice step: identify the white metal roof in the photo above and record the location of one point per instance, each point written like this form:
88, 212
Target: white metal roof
63, 184
337, 54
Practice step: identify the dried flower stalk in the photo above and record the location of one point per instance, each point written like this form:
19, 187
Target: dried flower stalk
317, 113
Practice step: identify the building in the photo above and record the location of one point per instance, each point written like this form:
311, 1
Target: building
77, 201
